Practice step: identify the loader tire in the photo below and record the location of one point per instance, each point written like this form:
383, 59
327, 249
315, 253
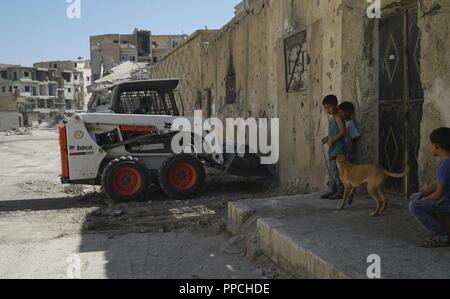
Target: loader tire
182, 176
125, 180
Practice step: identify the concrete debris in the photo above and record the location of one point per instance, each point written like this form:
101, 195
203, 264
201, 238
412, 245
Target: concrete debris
18, 132
114, 212
182, 235
254, 250
234, 246
58, 120
263, 272
123, 72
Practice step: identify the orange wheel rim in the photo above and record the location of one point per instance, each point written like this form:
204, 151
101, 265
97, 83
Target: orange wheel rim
183, 176
127, 181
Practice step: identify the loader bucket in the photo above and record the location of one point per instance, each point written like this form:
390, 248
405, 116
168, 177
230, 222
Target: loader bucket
248, 166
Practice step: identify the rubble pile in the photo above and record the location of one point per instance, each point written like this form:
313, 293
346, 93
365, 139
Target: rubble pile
17, 132
123, 72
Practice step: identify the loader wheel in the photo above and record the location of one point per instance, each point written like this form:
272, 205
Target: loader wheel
125, 179
182, 176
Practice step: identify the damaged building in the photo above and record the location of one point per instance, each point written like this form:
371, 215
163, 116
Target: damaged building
44, 91
279, 58
32, 91
110, 50
74, 76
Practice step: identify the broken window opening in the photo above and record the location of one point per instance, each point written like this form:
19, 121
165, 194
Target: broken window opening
231, 89
41, 104
296, 55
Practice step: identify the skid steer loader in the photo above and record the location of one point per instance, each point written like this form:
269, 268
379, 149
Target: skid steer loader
124, 145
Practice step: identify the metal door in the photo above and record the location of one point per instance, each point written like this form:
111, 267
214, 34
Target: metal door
401, 97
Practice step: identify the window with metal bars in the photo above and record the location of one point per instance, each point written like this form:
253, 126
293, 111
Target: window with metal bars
231, 89
297, 61
147, 102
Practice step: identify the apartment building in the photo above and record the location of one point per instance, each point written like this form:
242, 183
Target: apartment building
47, 89
110, 50
35, 91
72, 82
84, 66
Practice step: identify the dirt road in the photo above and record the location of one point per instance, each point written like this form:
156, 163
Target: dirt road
51, 231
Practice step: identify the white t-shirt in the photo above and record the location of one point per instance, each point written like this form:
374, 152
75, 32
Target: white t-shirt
352, 133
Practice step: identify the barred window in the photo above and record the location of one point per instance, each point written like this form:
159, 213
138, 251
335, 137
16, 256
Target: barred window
231, 88
147, 102
296, 62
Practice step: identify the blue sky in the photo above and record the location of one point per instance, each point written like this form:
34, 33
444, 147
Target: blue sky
39, 30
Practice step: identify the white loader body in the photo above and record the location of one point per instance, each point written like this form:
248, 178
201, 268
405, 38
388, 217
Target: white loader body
84, 155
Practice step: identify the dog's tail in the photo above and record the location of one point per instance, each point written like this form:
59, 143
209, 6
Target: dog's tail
398, 175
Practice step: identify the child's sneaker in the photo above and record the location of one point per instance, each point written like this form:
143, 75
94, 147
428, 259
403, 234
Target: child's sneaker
327, 195
337, 196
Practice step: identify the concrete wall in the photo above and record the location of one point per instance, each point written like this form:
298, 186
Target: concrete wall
9, 116
252, 45
9, 121
343, 52
106, 54
361, 74
189, 63
161, 45
8, 103
435, 77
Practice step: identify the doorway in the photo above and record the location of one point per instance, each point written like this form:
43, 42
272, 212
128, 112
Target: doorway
401, 97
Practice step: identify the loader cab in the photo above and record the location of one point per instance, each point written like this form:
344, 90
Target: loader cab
155, 97
150, 97
100, 102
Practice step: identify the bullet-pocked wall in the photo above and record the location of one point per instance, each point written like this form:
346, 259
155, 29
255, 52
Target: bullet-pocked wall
248, 56
434, 25
361, 73
242, 71
189, 63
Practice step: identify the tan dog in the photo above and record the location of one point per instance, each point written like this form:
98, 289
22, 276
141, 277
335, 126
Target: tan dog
352, 176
